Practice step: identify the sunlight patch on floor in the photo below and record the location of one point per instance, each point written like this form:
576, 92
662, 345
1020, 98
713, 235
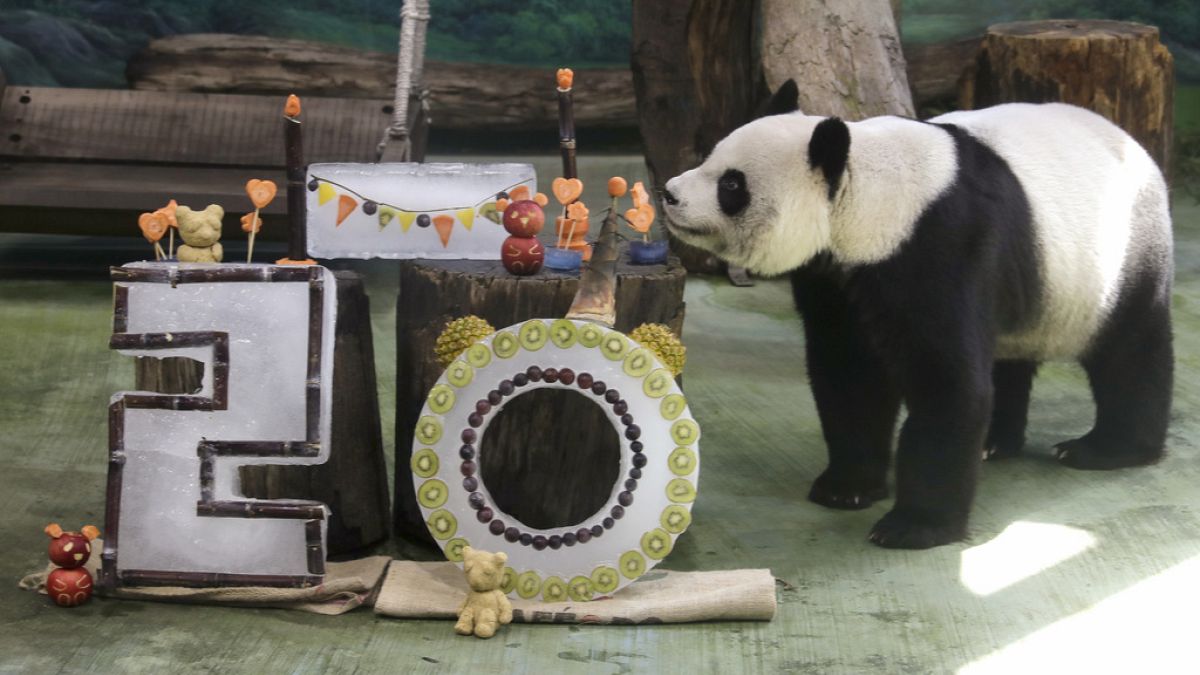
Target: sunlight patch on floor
1149, 627
1022, 550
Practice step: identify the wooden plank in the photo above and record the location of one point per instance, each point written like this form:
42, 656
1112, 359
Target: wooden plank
118, 186
181, 128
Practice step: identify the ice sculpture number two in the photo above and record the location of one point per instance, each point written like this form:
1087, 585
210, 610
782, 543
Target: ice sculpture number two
265, 335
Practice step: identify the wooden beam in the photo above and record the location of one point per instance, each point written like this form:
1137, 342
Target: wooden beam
112, 125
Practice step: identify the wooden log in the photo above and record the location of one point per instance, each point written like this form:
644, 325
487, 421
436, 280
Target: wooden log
1117, 69
524, 466
463, 96
353, 483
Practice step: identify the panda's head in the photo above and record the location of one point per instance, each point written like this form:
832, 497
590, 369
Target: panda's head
763, 198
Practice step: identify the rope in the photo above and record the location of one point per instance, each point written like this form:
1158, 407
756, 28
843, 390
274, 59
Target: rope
414, 15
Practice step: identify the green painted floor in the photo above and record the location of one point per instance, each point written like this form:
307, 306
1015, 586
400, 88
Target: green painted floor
1064, 572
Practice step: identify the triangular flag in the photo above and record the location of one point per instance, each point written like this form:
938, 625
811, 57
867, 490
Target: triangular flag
466, 217
406, 219
444, 224
346, 206
325, 192
386, 213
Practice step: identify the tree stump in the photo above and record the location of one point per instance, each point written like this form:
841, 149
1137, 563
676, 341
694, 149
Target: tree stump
354, 480
550, 457
1119, 70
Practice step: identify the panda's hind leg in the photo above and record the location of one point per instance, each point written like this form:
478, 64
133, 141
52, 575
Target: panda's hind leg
1011, 382
1131, 370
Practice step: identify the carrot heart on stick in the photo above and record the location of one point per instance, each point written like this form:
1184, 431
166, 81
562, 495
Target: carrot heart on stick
261, 192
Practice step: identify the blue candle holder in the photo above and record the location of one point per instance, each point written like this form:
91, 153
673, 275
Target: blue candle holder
648, 252
563, 259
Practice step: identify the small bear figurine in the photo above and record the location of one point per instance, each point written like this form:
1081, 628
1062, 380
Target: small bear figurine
69, 584
486, 607
200, 231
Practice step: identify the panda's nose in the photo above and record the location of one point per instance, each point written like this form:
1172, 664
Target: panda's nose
669, 198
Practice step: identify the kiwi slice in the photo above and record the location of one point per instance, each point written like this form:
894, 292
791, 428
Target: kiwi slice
563, 333
554, 590
429, 430
685, 431
579, 589
672, 406
681, 491
590, 335
605, 579
639, 362
614, 346
478, 355
682, 461
656, 543
441, 398
424, 463
533, 335
453, 549
432, 493
528, 584
633, 565
675, 519
460, 373
442, 524
658, 383
505, 344
508, 581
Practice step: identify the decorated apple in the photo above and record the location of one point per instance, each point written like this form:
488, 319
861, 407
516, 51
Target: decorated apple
70, 549
522, 255
69, 587
524, 218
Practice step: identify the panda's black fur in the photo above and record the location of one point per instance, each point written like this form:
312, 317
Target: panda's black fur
920, 326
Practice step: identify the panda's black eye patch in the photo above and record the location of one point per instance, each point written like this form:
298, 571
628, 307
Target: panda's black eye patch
733, 195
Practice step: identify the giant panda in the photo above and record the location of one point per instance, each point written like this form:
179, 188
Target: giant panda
938, 263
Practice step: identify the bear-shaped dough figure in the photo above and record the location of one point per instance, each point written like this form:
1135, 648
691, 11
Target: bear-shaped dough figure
200, 231
486, 606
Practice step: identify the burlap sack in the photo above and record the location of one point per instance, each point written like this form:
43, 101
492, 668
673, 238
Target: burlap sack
435, 590
347, 585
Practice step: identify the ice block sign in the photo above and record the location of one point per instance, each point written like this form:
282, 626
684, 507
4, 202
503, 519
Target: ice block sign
410, 210
175, 515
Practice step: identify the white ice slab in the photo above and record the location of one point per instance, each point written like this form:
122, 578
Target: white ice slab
268, 334
407, 191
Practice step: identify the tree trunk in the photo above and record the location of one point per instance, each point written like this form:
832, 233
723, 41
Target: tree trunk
698, 73
695, 80
525, 466
847, 61
1119, 70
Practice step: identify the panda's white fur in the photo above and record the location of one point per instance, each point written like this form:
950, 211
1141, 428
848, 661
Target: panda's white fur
1099, 203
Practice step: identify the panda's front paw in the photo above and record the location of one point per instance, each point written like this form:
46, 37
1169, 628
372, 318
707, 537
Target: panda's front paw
1090, 454
903, 530
852, 494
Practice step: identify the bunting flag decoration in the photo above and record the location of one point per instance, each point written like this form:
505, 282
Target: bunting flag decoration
382, 212
386, 213
466, 217
444, 225
325, 192
346, 206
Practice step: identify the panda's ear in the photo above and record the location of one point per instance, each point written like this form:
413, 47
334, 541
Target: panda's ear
829, 150
786, 99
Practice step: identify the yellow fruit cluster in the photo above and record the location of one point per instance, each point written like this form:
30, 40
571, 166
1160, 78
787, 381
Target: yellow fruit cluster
458, 335
665, 345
